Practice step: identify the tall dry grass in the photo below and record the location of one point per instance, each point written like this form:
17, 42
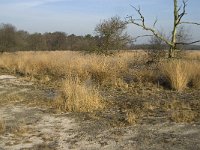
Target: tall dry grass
2, 126
79, 97
101, 69
81, 74
193, 54
179, 73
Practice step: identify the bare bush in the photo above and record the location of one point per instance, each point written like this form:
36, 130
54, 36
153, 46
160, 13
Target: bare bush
112, 34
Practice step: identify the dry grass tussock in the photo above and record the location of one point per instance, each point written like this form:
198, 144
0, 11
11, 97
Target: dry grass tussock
179, 111
16, 128
179, 73
79, 97
2, 126
131, 117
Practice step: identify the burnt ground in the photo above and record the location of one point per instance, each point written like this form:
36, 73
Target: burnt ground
161, 119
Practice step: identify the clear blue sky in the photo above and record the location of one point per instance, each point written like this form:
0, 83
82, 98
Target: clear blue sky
81, 16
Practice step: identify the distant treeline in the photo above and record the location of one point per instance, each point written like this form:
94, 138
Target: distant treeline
12, 39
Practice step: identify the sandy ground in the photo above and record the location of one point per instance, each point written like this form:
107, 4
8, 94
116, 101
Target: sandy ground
33, 128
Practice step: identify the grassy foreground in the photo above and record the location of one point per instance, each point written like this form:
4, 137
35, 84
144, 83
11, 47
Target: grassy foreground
124, 82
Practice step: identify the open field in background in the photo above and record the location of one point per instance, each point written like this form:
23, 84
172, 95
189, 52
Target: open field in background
193, 54
119, 90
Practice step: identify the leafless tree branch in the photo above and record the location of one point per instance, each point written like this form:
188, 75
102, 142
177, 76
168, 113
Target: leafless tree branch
144, 26
179, 13
180, 16
154, 24
183, 43
187, 22
141, 36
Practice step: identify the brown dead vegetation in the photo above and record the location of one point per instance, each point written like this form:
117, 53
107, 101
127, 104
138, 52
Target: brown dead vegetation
125, 80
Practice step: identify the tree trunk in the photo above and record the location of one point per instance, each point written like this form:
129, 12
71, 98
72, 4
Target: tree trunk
174, 32
172, 52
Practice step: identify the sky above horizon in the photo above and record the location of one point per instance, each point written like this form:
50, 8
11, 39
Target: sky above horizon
81, 16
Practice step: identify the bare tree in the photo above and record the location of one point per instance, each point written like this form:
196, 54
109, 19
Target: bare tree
179, 13
7, 37
22, 43
112, 34
55, 40
36, 41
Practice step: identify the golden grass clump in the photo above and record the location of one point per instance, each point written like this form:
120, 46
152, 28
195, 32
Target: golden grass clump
176, 105
131, 117
2, 126
183, 116
106, 69
16, 128
79, 97
180, 111
179, 73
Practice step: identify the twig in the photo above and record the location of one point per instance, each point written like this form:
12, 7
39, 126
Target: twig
183, 43
135, 39
194, 23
